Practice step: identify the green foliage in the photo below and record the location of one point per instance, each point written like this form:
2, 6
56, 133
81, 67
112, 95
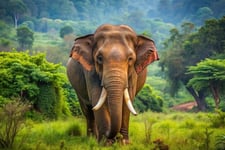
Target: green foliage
6, 35
48, 101
169, 128
12, 10
218, 119
104, 10
148, 100
36, 80
3, 101
74, 130
207, 139
220, 142
197, 11
206, 73
12, 122
72, 99
65, 30
186, 48
25, 37
4, 28
209, 74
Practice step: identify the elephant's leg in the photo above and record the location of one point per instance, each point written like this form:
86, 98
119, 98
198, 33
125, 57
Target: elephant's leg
89, 115
125, 124
91, 127
126, 112
102, 122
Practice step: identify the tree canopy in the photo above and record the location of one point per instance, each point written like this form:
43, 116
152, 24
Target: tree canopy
209, 74
25, 37
65, 30
186, 49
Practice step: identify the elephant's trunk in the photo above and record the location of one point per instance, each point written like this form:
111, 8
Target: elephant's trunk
114, 81
114, 91
115, 101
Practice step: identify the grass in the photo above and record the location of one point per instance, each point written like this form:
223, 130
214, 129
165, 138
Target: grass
180, 131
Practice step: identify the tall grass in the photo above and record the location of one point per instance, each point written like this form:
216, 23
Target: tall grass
179, 131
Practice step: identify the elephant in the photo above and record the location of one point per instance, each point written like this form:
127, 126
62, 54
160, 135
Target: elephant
107, 69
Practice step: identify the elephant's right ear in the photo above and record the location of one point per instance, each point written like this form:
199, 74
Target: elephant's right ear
146, 53
82, 51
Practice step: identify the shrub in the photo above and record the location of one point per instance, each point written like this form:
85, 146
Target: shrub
188, 123
74, 130
36, 80
148, 100
220, 142
12, 120
4, 42
3, 101
217, 119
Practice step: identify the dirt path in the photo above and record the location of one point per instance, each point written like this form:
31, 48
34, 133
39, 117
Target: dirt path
185, 106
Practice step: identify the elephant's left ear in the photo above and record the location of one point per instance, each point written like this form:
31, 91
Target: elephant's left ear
82, 51
146, 53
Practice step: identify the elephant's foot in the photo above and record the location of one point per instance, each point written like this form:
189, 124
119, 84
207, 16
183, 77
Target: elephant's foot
125, 141
110, 142
118, 139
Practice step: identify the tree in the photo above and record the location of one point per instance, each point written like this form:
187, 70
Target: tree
209, 74
147, 99
65, 31
187, 49
25, 37
4, 35
203, 14
17, 8
175, 61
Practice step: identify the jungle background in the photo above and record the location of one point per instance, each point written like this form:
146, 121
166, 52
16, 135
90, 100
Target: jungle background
39, 109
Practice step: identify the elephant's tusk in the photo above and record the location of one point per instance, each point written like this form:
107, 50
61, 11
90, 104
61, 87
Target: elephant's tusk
101, 100
128, 102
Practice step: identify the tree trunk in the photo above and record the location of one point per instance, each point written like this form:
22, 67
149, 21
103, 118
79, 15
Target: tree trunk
199, 98
15, 20
215, 93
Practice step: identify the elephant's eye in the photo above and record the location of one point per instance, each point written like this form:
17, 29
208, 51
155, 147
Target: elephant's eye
130, 59
99, 59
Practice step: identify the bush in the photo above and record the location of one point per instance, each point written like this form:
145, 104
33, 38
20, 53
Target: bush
36, 80
220, 142
148, 100
74, 130
3, 101
4, 42
217, 119
12, 121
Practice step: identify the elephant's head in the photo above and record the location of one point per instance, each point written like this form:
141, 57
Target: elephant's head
118, 56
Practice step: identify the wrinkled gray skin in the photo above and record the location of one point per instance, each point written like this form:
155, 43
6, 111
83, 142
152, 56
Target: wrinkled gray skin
112, 59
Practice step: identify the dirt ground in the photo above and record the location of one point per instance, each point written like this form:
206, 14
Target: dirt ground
185, 106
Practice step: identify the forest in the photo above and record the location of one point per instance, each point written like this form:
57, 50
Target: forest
36, 37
